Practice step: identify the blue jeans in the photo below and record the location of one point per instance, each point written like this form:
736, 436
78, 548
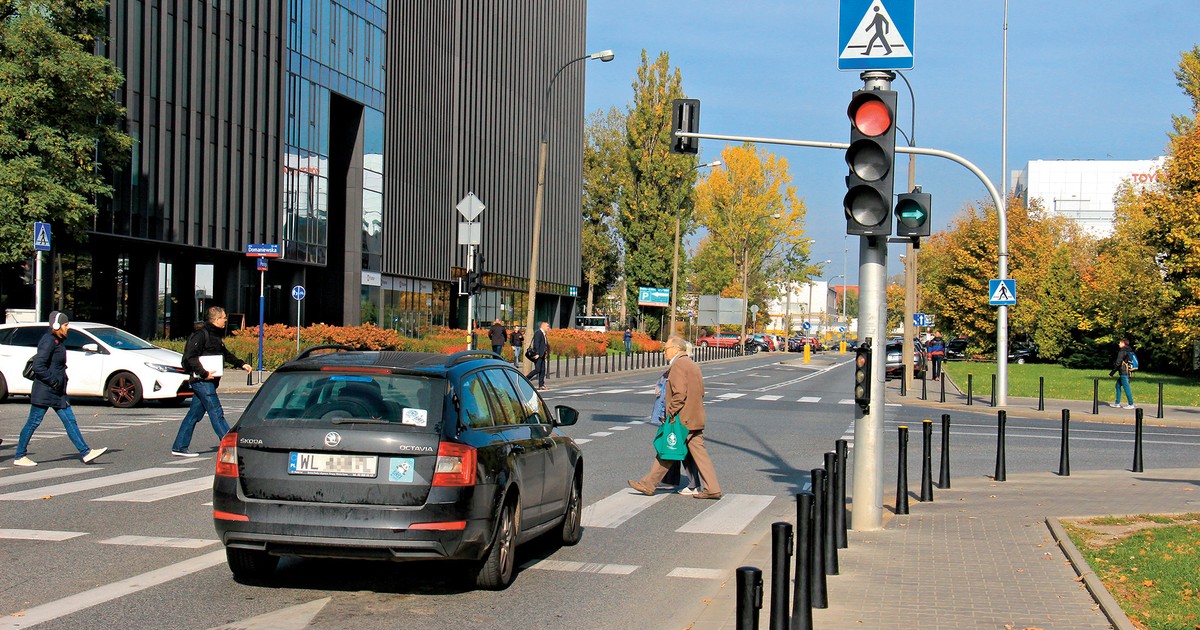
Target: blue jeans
204, 398
1123, 383
628, 348
36, 413
516, 355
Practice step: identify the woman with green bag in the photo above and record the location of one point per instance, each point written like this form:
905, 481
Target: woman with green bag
684, 404
657, 416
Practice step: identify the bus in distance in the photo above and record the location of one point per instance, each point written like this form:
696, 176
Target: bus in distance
594, 323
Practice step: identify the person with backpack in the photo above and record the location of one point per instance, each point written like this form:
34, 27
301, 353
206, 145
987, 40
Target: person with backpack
937, 353
203, 355
1125, 364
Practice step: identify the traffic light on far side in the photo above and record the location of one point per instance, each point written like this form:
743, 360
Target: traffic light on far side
685, 116
912, 214
871, 157
862, 376
29, 270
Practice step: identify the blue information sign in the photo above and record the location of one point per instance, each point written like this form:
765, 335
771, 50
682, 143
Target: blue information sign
266, 250
653, 296
1002, 292
297, 293
876, 34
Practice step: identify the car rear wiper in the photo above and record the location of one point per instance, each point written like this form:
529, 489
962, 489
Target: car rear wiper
360, 421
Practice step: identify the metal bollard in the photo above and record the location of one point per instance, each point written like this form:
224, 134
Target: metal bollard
944, 473
781, 573
1137, 440
904, 385
902, 473
993, 391
839, 516
749, 597
607, 362
1095, 397
942, 383
802, 599
926, 460
831, 557
970, 389
818, 589
557, 367
924, 387
1041, 393
1160, 400
576, 365
1064, 452
1001, 420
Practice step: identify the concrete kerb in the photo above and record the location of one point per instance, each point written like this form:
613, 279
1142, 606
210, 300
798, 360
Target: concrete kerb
1107, 603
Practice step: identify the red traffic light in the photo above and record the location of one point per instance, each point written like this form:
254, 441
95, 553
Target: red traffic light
870, 115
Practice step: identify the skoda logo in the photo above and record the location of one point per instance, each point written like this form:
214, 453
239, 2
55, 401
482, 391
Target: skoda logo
333, 438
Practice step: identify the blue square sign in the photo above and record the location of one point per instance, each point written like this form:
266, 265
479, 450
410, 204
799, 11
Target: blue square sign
876, 34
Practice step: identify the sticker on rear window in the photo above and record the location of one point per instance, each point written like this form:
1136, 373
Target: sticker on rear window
400, 469
351, 379
415, 417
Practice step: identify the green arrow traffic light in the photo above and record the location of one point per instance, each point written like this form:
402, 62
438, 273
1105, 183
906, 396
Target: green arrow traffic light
912, 214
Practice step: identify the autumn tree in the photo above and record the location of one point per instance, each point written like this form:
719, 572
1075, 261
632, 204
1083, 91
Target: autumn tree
604, 170
752, 215
59, 124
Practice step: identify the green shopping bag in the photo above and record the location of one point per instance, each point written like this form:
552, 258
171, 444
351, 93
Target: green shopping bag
671, 440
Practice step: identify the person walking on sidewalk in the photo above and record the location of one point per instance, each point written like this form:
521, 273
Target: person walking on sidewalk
497, 333
657, 417
50, 390
685, 398
539, 351
937, 352
203, 355
628, 338
1121, 368
517, 339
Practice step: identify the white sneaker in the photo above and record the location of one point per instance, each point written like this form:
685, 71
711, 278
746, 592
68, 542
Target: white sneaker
1116, 405
93, 454
184, 454
1128, 407
687, 491
24, 461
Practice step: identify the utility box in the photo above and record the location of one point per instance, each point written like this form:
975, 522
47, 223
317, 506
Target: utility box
20, 315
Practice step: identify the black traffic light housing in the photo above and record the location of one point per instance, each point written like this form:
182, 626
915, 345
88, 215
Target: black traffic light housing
29, 270
862, 375
685, 116
913, 214
871, 158
475, 276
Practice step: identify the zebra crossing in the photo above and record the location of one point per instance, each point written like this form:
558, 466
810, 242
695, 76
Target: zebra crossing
581, 392
48, 431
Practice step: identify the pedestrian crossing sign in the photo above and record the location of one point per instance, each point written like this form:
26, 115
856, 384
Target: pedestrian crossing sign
41, 236
876, 35
1002, 292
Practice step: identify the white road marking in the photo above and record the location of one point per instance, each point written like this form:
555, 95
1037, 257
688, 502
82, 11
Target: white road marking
615, 509
38, 534
184, 462
600, 434
809, 399
581, 567
730, 515
148, 495
582, 440
291, 618
89, 484
731, 395
702, 574
94, 597
768, 398
49, 473
623, 427
157, 541
612, 391
846, 401
574, 391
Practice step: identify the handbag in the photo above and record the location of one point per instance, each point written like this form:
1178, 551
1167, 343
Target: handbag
27, 373
531, 355
671, 440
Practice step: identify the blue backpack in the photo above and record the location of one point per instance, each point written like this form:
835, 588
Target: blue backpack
1131, 361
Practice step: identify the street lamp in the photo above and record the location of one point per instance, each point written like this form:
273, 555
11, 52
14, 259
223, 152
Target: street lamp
808, 318
543, 149
675, 264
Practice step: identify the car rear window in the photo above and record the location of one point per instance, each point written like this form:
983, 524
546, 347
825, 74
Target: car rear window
394, 400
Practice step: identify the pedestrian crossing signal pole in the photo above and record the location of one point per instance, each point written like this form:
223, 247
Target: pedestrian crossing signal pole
868, 206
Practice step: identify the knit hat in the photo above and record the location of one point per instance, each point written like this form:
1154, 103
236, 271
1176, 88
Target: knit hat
57, 319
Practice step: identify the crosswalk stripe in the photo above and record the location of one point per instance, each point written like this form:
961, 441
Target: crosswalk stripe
623, 427
846, 401
582, 440
615, 509
731, 395
600, 434
49, 473
158, 541
730, 515
167, 491
768, 397
574, 391
650, 392
581, 567
89, 484
809, 399
185, 462
38, 534
612, 391
703, 574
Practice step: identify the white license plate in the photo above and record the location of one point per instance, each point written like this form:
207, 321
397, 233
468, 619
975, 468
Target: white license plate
332, 464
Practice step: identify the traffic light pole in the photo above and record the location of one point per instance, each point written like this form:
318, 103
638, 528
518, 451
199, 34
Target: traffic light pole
470, 299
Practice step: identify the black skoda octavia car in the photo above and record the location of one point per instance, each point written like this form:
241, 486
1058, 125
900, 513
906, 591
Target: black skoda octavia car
396, 456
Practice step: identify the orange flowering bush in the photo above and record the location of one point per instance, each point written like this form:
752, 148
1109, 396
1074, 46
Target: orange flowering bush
364, 337
641, 342
569, 342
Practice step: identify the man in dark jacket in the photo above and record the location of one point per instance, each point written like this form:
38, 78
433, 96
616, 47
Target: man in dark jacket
50, 390
497, 333
1121, 371
517, 339
203, 356
539, 348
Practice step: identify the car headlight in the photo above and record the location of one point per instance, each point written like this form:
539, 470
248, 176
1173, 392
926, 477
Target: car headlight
159, 367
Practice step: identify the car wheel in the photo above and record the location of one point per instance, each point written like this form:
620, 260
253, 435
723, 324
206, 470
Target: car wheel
123, 390
3, 389
703, 344
496, 571
1020, 360
571, 530
248, 564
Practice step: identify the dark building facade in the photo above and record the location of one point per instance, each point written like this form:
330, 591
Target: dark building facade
345, 132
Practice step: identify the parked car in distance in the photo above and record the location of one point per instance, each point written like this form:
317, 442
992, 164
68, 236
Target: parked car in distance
396, 456
719, 340
796, 344
102, 362
956, 348
1022, 352
765, 342
895, 349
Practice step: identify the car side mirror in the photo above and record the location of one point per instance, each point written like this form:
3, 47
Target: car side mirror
567, 416
91, 347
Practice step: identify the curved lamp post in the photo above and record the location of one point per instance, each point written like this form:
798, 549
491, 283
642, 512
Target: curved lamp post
675, 264
543, 149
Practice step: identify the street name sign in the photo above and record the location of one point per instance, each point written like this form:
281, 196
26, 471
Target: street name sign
266, 250
876, 35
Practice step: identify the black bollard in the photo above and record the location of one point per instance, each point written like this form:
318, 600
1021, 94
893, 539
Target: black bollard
607, 362
820, 594
802, 599
904, 385
993, 390
926, 460
970, 389
1064, 452
749, 597
831, 557
839, 516
781, 573
576, 365
1160, 402
1137, 440
557, 367
1041, 393
1095, 397
1001, 419
944, 473
902, 473
942, 384
924, 387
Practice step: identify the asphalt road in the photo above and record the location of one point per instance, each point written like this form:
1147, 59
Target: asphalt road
129, 542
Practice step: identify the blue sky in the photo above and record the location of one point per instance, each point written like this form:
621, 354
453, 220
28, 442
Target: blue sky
1087, 79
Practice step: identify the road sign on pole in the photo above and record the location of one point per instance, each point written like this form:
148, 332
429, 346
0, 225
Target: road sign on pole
41, 236
1002, 292
876, 34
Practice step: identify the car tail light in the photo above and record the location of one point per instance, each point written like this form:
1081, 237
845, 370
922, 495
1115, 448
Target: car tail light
446, 526
227, 464
455, 465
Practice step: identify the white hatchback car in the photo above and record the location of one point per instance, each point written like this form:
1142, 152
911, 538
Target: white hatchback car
102, 361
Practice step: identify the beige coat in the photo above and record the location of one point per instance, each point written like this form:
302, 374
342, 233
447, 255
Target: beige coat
685, 392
